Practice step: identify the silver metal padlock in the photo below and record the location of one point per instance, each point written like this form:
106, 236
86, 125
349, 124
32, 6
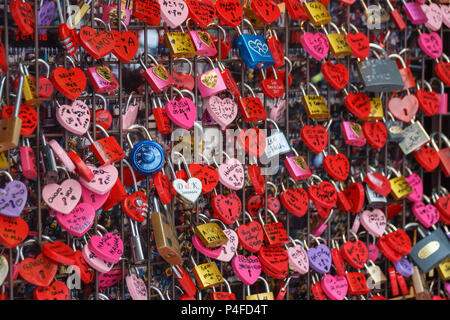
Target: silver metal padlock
414, 136
136, 246
374, 199
276, 143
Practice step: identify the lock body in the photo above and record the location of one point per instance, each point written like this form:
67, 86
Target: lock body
400, 188
102, 79
374, 199
297, 167
147, 157
166, 239
431, 250
158, 78
315, 106
207, 275
276, 144
211, 235
415, 13
254, 51
180, 45
211, 83
107, 150
260, 296
275, 234
444, 156
413, 137
380, 75
111, 14
338, 45
203, 43
162, 120
252, 109
353, 134
28, 162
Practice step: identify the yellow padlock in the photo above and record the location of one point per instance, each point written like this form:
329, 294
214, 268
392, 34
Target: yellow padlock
180, 44
317, 13
210, 234
444, 269
268, 295
315, 105
207, 275
338, 43
29, 88
376, 109
400, 188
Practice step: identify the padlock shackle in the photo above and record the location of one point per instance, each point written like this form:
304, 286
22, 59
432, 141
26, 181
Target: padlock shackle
424, 82
129, 100
7, 174
443, 137
101, 98
217, 220
216, 25
270, 212
334, 27
399, 57
72, 62
64, 169
132, 174
45, 237
139, 127
19, 96
190, 93
265, 284
379, 48
101, 22
309, 85
47, 67
208, 59
184, 60
2, 87
157, 291
442, 85
397, 174
274, 123
141, 60
184, 162
249, 24
274, 187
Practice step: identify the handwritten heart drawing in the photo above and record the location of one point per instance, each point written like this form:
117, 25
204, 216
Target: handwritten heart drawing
78, 221
314, 137
137, 288
75, 117
431, 44
208, 175
71, 83
404, 109
178, 7
227, 208
12, 231
28, 115
182, 112
359, 43
335, 287
94, 199
298, 259
251, 236
64, 197
223, 111
108, 279
296, 201
109, 247
126, 45
247, 269
429, 101
337, 166
427, 157
316, 44
230, 12
378, 183
358, 104
416, 184
38, 271
373, 221
275, 259
320, 258
325, 194
98, 43
189, 190
434, 16
258, 46
104, 179
13, 198
231, 174
253, 141
56, 291
201, 11
376, 133
336, 74
427, 214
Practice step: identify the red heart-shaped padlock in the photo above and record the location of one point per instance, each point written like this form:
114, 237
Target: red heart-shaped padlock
314, 137
387, 251
39, 271
257, 179
443, 205
325, 194
162, 185
227, 208
429, 101
84, 271
337, 166
358, 104
253, 141
275, 259
70, 83
201, 11
399, 241
359, 43
376, 133
355, 195
230, 12
378, 183
343, 202
356, 253
58, 252
23, 16
251, 236
3, 63
296, 10
281, 74
183, 81
336, 74
46, 87
275, 275
98, 43
255, 203
266, 10
28, 115
103, 117
56, 291
12, 231
148, 11
295, 201
273, 88
208, 175
273, 204
427, 157
442, 70
135, 206
323, 212
126, 45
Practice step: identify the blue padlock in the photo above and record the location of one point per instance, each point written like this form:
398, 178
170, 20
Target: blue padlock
254, 49
146, 156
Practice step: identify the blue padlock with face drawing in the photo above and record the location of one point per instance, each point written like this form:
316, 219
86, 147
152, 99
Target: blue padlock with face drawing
146, 156
254, 49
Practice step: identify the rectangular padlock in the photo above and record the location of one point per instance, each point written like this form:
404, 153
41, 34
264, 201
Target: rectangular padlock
180, 45
315, 106
353, 134
211, 235
102, 79
210, 83
207, 275
203, 43
376, 109
414, 136
276, 144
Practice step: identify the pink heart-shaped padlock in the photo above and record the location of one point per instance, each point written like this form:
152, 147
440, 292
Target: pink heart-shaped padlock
427, 214
109, 247
129, 118
298, 259
182, 112
13, 198
373, 221
277, 110
374, 252
335, 287
229, 249
173, 12
108, 279
231, 174
404, 109
223, 111
137, 288
416, 184
94, 199
62, 197
434, 16
446, 14
247, 269
316, 44
94, 261
431, 44
78, 221
75, 117
198, 244
104, 179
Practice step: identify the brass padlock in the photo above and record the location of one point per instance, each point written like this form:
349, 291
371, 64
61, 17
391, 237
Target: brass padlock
165, 236
315, 105
207, 274
268, 295
400, 188
444, 269
338, 43
376, 109
10, 127
180, 44
317, 13
29, 88
211, 234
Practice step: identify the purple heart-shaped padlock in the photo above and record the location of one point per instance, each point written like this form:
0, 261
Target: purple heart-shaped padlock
13, 199
45, 15
404, 267
320, 258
